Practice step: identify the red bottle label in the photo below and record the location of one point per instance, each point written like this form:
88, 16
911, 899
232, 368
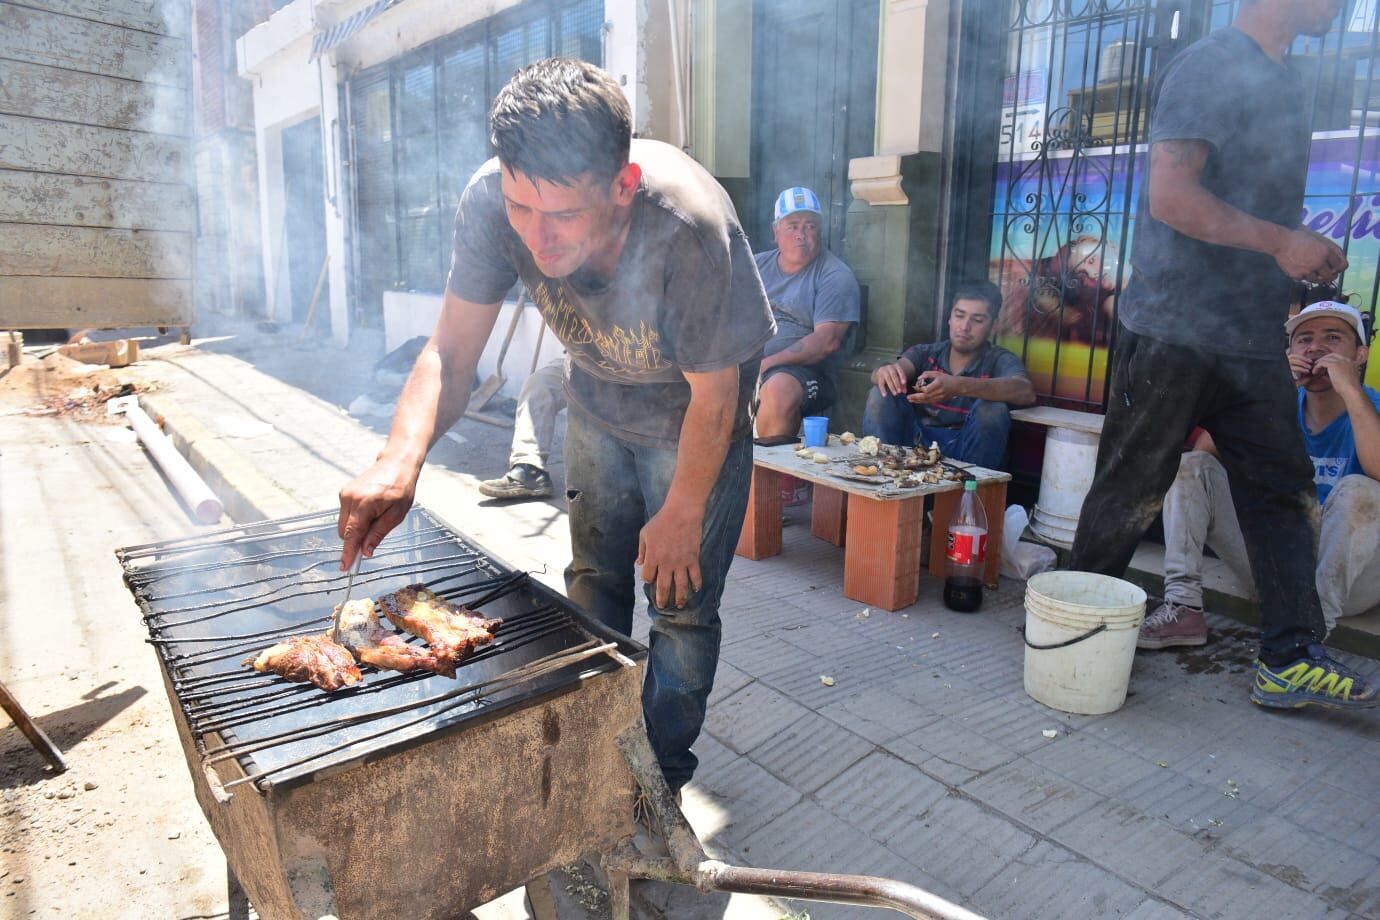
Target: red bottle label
967, 547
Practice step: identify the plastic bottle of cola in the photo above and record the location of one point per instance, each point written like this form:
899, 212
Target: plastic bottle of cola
967, 553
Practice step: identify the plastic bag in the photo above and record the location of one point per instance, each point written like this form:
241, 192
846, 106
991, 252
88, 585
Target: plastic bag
1020, 559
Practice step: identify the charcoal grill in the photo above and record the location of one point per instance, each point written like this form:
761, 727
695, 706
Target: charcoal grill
412, 794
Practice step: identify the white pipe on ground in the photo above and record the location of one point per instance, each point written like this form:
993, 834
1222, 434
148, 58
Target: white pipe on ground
194, 491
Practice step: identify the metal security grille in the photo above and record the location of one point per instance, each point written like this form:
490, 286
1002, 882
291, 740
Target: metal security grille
1057, 99
418, 131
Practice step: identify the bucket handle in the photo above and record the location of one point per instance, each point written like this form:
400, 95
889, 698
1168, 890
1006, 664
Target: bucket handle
1067, 642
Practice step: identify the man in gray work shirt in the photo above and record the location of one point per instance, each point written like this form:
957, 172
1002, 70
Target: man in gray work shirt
815, 300
635, 256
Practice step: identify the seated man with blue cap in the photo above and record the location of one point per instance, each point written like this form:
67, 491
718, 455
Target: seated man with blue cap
815, 300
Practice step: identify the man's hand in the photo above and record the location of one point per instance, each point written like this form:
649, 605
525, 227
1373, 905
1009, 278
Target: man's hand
1310, 256
890, 379
373, 504
1345, 374
668, 550
932, 386
1300, 367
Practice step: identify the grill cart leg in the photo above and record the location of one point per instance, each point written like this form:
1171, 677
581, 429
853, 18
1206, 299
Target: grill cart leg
31, 730
688, 864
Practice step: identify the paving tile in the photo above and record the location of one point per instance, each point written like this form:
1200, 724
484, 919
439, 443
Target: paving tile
960, 843
1032, 795
1310, 859
1156, 910
752, 715
734, 798
949, 742
759, 655
1018, 724
1218, 886
1209, 812
879, 713
1128, 842
1050, 882
1100, 766
1365, 893
727, 681
1349, 814
879, 794
936, 692
810, 751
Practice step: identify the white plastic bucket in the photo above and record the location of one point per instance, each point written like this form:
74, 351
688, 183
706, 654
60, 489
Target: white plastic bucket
1065, 476
1080, 637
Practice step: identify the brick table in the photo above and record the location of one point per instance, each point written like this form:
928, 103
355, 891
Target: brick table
879, 529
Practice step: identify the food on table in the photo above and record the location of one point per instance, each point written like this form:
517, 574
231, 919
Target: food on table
805, 453
866, 469
821, 458
869, 446
314, 659
357, 627
847, 437
453, 632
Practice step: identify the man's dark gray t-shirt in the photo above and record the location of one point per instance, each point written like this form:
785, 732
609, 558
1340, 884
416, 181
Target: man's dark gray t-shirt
1249, 108
992, 362
824, 291
685, 297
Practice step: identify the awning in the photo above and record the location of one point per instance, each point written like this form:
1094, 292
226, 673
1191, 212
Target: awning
327, 39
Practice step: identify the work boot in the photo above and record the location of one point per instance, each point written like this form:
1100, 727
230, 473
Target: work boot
1172, 625
1314, 680
523, 481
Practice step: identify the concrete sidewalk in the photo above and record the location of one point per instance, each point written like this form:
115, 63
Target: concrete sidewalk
924, 760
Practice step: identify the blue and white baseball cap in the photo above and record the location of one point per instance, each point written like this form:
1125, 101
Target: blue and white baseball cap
796, 199
1348, 314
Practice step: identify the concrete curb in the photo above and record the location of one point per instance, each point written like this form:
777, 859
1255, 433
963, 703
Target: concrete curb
247, 494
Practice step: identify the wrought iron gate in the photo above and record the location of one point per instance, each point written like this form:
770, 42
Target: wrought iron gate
1054, 96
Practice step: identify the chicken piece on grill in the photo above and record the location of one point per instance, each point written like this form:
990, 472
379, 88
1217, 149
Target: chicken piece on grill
357, 627
314, 659
453, 632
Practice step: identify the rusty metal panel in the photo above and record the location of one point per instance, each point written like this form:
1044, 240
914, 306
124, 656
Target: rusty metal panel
144, 15
28, 302
90, 252
92, 47
89, 99
75, 201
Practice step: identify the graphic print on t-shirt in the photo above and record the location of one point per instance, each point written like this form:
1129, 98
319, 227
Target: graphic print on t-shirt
619, 351
1328, 470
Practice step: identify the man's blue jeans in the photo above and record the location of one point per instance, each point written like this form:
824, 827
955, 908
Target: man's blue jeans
981, 439
614, 488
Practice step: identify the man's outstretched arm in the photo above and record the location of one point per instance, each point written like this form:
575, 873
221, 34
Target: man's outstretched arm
826, 339
433, 399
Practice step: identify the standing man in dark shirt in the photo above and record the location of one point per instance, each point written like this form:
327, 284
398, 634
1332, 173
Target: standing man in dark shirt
1216, 244
956, 392
635, 256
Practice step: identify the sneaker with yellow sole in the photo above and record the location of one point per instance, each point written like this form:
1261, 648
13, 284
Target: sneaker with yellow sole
1313, 681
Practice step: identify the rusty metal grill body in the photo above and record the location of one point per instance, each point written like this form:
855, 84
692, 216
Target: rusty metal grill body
406, 795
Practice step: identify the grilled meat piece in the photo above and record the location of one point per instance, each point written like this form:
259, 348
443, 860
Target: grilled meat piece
357, 627
452, 632
314, 659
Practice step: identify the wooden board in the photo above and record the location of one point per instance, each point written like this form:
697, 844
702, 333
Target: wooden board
48, 198
144, 15
1089, 422
78, 150
89, 99
39, 37
37, 249
29, 302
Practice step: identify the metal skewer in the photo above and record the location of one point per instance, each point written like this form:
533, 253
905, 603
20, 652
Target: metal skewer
349, 586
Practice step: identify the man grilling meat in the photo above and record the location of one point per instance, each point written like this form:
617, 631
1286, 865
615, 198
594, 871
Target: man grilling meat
635, 256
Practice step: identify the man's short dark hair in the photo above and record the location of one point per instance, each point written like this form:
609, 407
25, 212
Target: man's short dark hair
985, 291
560, 118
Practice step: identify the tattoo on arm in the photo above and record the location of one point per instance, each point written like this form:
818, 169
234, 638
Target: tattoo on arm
1181, 154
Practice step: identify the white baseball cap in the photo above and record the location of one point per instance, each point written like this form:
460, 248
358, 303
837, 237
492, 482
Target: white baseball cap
1328, 308
798, 198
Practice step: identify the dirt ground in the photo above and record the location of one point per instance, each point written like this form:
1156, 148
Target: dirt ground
119, 834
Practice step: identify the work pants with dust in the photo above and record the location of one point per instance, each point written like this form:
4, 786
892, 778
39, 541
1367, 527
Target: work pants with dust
615, 487
1198, 512
534, 424
1158, 393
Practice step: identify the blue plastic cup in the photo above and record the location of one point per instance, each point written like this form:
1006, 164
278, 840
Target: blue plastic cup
816, 430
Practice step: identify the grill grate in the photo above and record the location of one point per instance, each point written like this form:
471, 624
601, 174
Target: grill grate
209, 602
